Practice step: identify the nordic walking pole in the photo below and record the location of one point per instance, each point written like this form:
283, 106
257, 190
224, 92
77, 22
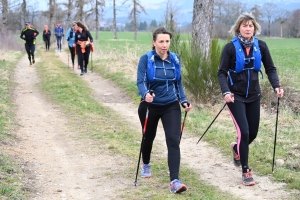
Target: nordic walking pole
68, 57
183, 123
143, 138
92, 61
275, 136
211, 123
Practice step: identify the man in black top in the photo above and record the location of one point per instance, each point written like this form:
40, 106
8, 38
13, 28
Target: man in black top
29, 34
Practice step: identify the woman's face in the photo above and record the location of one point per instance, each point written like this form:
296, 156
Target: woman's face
79, 29
46, 27
247, 29
75, 27
162, 44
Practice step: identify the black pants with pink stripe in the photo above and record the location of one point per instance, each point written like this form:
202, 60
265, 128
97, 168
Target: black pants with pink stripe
246, 119
170, 116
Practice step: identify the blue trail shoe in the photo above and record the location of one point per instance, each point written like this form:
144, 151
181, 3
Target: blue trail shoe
177, 187
146, 171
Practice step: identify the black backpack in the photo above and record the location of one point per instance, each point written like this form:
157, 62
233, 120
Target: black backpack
71, 34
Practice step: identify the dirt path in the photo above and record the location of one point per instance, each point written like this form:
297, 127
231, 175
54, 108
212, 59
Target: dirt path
57, 166
61, 167
208, 162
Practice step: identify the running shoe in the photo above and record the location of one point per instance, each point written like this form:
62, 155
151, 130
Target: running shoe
146, 171
30, 63
33, 61
177, 187
81, 74
236, 157
247, 178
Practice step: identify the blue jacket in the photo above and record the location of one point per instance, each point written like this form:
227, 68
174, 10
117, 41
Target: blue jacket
59, 31
166, 92
71, 39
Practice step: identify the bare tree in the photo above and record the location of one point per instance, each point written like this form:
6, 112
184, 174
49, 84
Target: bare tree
24, 11
115, 20
202, 25
282, 17
101, 4
170, 13
4, 14
296, 22
52, 11
258, 14
137, 8
269, 10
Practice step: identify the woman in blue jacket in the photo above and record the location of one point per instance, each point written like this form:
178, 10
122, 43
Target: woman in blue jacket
70, 37
164, 104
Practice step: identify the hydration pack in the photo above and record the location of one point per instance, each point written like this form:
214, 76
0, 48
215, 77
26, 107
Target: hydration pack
241, 60
71, 33
151, 67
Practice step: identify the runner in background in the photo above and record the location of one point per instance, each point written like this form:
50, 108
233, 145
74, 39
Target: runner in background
29, 34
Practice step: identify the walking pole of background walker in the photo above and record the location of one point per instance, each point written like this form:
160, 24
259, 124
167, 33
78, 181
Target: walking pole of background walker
143, 138
275, 135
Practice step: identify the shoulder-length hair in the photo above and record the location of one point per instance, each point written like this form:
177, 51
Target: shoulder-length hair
80, 24
245, 17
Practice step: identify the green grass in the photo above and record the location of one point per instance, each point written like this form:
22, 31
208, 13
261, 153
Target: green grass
10, 172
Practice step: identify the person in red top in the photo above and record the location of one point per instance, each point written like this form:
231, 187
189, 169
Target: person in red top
46, 37
84, 44
29, 34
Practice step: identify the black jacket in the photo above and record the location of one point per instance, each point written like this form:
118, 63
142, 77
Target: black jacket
29, 35
46, 36
240, 80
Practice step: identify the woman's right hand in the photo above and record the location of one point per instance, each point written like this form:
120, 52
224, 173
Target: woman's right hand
149, 98
229, 98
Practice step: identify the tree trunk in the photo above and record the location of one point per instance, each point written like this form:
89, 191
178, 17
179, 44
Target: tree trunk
202, 25
97, 19
4, 15
115, 21
135, 20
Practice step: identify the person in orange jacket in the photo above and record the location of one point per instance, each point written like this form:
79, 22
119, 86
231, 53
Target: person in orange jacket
84, 45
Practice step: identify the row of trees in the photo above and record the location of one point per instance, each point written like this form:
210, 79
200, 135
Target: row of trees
275, 21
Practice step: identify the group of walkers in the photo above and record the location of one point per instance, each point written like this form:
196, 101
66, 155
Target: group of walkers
80, 42
160, 87
159, 82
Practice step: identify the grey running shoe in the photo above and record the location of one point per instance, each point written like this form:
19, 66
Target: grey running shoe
146, 171
177, 186
247, 178
236, 157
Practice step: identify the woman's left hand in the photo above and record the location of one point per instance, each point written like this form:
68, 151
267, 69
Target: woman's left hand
279, 92
187, 107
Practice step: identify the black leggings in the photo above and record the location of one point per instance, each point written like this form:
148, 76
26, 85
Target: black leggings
47, 43
83, 58
72, 52
30, 48
246, 119
170, 116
